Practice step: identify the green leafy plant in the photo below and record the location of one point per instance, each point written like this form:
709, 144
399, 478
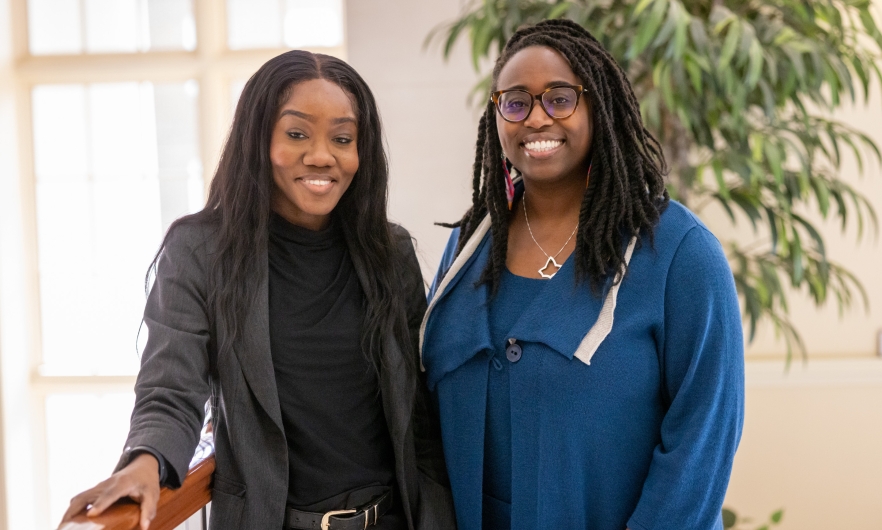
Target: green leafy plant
740, 93
733, 522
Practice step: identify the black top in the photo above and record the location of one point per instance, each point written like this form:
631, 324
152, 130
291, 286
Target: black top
328, 389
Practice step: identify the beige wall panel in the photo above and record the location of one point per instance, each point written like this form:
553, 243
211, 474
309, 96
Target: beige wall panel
811, 446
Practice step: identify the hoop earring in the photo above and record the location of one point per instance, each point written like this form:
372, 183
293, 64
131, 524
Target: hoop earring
509, 186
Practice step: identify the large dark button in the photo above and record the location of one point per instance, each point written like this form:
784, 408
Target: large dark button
513, 352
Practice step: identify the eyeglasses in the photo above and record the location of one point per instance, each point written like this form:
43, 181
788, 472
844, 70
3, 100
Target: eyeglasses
558, 102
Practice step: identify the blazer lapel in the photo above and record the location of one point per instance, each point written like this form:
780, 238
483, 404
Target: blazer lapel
396, 391
253, 351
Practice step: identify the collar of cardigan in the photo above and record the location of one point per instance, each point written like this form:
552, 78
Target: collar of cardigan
582, 321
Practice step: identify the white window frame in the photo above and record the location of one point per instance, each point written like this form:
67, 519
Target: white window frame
23, 388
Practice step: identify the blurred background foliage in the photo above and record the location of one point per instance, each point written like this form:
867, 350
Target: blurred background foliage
741, 94
731, 521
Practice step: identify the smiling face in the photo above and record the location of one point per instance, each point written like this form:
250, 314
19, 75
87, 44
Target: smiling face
543, 148
313, 152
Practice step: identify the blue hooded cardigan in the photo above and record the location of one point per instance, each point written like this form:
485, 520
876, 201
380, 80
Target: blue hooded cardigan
626, 409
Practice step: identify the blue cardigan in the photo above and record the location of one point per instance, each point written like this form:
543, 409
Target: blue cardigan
643, 436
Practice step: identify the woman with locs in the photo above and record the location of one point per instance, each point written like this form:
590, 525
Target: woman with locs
292, 306
583, 341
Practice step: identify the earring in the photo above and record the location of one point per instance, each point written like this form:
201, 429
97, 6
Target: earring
509, 186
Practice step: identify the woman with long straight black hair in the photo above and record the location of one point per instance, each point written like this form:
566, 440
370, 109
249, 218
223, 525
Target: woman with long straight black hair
292, 306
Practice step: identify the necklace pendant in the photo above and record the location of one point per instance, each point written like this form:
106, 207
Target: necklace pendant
550, 265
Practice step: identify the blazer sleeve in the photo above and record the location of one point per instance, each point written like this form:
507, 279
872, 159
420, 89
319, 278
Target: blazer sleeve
436, 500
172, 385
701, 353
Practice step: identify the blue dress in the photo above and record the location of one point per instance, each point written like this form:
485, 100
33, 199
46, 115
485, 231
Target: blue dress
515, 295
643, 437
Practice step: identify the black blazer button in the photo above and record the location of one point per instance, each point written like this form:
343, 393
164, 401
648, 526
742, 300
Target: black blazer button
513, 352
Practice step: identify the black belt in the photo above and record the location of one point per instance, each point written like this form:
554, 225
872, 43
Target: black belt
354, 519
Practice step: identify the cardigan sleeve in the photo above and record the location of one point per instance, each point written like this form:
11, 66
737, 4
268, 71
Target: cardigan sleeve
172, 385
701, 354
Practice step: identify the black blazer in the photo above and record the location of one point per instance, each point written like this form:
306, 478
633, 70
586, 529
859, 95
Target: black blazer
181, 368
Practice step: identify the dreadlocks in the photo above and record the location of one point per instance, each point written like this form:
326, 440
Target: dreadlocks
625, 194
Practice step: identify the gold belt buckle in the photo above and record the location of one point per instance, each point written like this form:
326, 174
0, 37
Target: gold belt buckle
326, 524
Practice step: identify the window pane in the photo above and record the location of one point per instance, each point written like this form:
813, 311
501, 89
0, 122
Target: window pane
236, 88
291, 23
85, 435
99, 225
181, 186
171, 25
110, 26
254, 24
54, 26
313, 23
60, 117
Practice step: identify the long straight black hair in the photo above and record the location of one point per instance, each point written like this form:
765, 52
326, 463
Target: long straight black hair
238, 209
625, 194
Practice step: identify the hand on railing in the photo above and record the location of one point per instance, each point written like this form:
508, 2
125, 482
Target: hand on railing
169, 507
138, 481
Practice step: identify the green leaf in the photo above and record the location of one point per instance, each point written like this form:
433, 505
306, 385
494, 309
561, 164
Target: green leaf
641, 6
698, 34
756, 64
683, 21
756, 143
773, 157
559, 10
773, 228
870, 26
768, 99
481, 38
813, 233
723, 189
724, 202
647, 29
823, 195
729, 44
796, 259
796, 62
776, 517
784, 36
668, 28
729, 518
694, 71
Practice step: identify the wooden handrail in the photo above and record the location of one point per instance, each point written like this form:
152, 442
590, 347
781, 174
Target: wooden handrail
175, 506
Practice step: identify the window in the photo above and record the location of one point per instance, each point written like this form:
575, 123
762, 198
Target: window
289, 23
124, 105
109, 26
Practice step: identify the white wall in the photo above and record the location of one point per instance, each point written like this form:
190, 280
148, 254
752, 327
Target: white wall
430, 128
812, 439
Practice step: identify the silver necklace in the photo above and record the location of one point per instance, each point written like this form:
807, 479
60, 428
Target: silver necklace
550, 262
